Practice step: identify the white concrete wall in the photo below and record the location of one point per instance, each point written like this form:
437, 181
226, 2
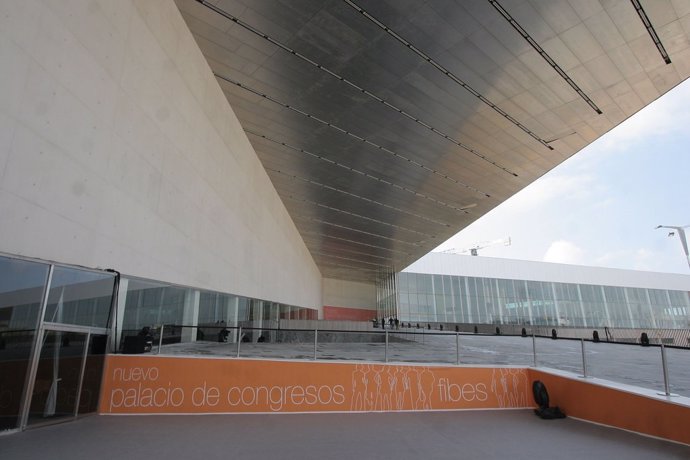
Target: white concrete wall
489, 267
350, 294
118, 149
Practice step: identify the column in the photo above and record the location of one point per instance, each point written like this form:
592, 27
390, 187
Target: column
119, 314
190, 315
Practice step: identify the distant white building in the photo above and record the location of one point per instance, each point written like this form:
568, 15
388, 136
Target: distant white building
463, 289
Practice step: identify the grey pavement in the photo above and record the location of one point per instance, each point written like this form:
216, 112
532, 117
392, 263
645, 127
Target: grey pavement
629, 364
512, 434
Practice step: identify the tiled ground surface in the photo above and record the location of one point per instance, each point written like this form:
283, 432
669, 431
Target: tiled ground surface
515, 434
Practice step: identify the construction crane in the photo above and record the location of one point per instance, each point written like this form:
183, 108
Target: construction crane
474, 249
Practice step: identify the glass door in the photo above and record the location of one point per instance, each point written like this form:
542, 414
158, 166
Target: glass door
68, 375
58, 376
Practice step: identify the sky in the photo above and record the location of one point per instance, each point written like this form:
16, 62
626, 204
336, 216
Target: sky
600, 207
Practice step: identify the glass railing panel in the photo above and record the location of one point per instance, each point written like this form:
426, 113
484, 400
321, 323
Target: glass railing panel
352, 345
483, 349
562, 354
276, 343
421, 346
678, 361
626, 363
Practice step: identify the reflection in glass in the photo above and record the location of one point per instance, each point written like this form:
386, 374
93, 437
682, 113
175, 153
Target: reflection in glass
190, 315
217, 308
93, 371
80, 297
15, 351
21, 290
151, 304
57, 376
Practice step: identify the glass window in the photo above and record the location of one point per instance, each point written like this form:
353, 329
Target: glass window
243, 309
149, 305
80, 297
57, 376
93, 372
639, 307
216, 308
412, 283
21, 290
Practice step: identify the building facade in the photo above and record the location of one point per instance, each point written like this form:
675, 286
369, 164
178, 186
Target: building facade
446, 288
199, 162
56, 321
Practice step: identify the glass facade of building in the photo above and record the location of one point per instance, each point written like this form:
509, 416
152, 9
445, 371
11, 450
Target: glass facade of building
190, 314
464, 299
53, 336
56, 321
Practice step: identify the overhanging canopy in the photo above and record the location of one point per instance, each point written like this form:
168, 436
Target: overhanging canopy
388, 126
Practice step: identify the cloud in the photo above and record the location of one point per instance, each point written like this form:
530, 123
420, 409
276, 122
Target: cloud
635, 259
534, 216
551, 187
564, 252
607, 199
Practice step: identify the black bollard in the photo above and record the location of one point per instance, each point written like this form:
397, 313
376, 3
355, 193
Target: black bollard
554, 334
476, 330
595, 336
524, 332
498, 331
644, 339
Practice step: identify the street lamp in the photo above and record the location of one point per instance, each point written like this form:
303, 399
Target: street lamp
681, 234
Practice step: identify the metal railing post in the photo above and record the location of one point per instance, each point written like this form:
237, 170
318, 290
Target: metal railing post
457, 349
160, 339
667, 386
239, 340
584, 359
316, 341
386, 349
534, 349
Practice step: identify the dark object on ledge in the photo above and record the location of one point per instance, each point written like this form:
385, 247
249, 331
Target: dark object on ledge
541, 397
644, 339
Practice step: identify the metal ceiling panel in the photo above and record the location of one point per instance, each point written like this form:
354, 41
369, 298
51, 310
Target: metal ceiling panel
388, 126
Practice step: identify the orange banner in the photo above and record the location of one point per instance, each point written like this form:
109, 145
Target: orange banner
150, 384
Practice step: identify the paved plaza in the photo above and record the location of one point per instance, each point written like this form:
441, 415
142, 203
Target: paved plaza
629, 364
514, 434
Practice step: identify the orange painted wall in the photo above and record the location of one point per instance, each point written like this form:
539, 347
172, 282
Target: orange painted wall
582, 399
348, 314
151, 384
136, 384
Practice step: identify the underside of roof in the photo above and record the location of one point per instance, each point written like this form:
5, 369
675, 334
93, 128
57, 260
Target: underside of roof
388, 126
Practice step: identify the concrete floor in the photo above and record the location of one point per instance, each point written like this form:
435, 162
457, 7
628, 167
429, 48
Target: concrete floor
516, 434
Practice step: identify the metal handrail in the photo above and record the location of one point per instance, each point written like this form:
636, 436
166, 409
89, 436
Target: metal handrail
411, 331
